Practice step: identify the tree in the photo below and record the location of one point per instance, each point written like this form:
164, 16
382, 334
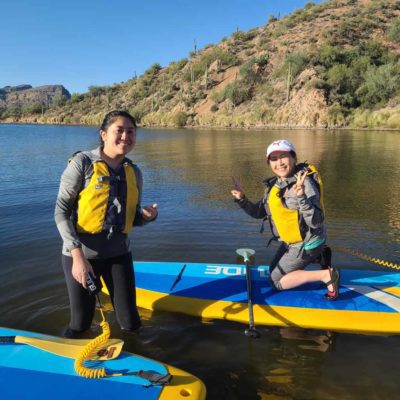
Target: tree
380, 84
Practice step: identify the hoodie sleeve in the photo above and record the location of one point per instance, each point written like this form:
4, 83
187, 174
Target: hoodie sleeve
310, 205
255, 210
70, 185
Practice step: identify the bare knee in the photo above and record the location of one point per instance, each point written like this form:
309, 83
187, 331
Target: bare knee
276, 277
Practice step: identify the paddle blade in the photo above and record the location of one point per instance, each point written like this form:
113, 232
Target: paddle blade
104, 288
70, 348
245, 253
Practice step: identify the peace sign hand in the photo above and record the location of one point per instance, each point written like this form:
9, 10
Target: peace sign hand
299, 186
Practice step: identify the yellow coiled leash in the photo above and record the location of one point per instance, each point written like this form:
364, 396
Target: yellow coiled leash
365, 257
153, 378
90, 349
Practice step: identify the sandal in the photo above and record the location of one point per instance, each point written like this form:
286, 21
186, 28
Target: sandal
335, 278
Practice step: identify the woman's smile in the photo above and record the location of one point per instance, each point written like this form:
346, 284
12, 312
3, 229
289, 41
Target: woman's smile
282, 164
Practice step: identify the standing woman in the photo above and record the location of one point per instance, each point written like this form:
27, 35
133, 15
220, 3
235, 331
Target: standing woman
293, 206
98, 203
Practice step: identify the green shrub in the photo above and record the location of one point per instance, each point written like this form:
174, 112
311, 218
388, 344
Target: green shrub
338, 77
241, 36
179, 119
336, 115
218, 97
138, 112
380, 83
96, 90
262, 60
237, 93
168, 97
174, 67
13, 110
248, 72
2, 111
154, 69
343, 81
58, 100
297, 62
272, 19
329, 55
199, 67
76, 97
377, 53
316, 84
34, 108
393, 33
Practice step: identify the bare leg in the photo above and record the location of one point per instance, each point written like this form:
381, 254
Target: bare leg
300, 277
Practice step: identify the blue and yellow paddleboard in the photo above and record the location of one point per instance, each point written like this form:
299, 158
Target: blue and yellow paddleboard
30, 373
369, 301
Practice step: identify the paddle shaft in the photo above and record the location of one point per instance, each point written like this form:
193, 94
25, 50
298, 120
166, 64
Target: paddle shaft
249, 294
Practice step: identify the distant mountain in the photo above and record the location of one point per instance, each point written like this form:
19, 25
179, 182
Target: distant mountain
24, 100
332, 64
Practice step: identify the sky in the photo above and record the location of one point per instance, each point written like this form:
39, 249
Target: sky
80, 43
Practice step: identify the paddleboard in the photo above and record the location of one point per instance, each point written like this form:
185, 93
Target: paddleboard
369, 301
29, 373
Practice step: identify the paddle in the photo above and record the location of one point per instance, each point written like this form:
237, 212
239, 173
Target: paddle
67, 347
251, 331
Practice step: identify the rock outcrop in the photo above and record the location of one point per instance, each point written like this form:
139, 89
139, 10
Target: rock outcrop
26, 97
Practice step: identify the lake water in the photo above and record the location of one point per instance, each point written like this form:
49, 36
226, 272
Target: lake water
188, 173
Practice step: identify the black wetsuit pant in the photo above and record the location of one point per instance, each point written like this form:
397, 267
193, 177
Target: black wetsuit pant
119, 277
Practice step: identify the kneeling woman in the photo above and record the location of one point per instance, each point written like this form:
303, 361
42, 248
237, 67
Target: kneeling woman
97, 205
293, 206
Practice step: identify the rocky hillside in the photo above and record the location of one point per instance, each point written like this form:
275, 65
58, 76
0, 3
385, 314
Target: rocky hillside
332, 64
24, 100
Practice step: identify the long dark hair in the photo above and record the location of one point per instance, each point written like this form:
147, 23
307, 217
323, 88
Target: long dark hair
110, 118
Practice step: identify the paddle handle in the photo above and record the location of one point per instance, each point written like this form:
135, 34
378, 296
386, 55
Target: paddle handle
7, 339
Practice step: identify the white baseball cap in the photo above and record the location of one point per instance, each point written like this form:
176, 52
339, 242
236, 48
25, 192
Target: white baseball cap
280, 145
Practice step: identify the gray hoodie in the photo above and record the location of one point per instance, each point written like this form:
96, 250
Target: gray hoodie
308, 205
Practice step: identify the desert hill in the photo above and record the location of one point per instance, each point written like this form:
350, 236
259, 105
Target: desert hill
332, 64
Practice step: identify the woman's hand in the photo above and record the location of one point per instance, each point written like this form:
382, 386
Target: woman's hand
237, 194
81, 267
299, 186
149, 213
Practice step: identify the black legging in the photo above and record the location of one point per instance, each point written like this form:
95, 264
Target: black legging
119, 277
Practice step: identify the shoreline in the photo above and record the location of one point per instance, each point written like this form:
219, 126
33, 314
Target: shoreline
227, 128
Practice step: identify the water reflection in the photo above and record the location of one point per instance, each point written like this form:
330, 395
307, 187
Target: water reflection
362, 186
189, 174
296, 365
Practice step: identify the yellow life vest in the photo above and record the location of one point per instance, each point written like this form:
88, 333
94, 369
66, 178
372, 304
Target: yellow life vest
286, 220
93, 200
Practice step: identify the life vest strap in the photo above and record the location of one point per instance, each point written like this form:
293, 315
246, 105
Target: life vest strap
110, 178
